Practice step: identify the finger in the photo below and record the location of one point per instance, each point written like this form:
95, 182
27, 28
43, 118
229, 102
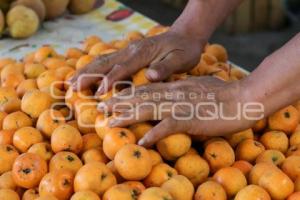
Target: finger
142, 114
162, 69
165, 128
92, 72
138, 55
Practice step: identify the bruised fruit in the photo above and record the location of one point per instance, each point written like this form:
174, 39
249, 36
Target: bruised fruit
22, 22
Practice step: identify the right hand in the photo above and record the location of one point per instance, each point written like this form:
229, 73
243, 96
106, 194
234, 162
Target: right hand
165, 54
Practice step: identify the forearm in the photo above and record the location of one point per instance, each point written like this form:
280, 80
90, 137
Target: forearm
200, 18
276, 81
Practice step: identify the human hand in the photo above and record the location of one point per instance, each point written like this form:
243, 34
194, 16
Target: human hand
165, 54
201, 101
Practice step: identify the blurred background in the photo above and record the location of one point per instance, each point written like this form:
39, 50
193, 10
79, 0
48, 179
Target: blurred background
253, 31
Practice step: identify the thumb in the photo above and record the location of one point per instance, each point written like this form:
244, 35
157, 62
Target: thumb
161, 70
165, 128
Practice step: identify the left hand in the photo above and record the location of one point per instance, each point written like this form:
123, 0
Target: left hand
164, 98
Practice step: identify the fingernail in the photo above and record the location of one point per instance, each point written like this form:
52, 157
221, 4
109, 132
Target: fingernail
142, 142
113, 123
101, 106
100, 90
74, 86
152, 74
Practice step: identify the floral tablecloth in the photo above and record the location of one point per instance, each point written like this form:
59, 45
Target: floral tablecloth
110, 21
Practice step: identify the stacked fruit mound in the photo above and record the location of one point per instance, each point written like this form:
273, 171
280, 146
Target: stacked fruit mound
46, 154
24, 17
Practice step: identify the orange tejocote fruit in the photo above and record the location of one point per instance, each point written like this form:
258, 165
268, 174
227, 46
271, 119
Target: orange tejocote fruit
94, 154
192, 166
210, 190
58, 183
49, 120
115, 139
31, 194
159, 174
179, 187
43, 53
271, 156
7, 182
219, 154
8, 155
294, 196
248, 150
85, 194
6, 136
65, 160
174, 146
9, 194
33, 70
236, 138
94, 176
243, 166
66, 138
267, 175
90, 141
232, 179
120, 191
25, 86
43, 149
28, 170
285, 120
252, 192
25, 137
47, 197
35, 102
133, 162
16, 120
140, 129
218, 51
291, 167
155, 157
155, 193
276, 140
9, 101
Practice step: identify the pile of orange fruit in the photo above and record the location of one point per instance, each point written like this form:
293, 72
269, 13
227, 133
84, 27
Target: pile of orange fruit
45, 154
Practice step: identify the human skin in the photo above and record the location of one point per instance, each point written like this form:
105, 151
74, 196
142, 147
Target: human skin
274, 83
